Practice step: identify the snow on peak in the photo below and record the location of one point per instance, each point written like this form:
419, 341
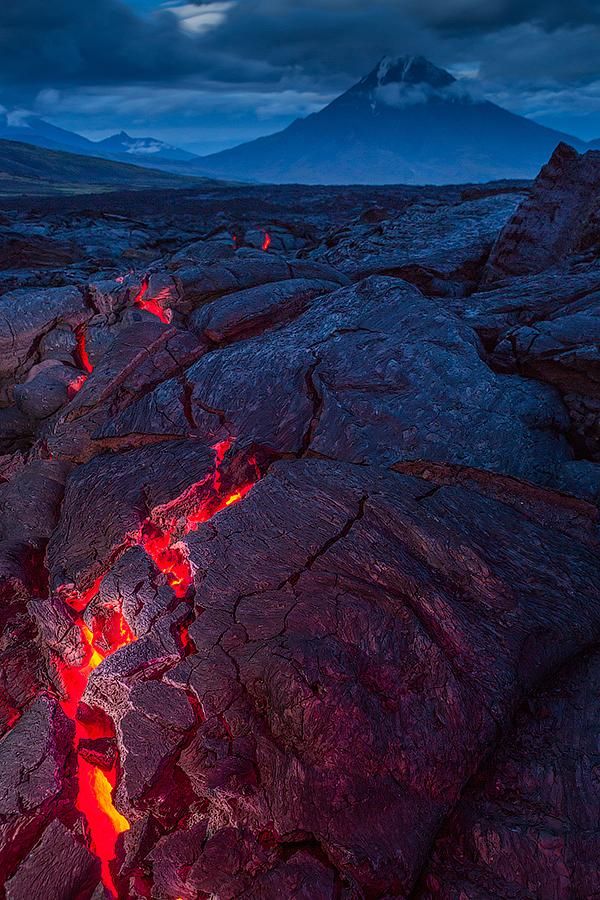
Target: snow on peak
409, 70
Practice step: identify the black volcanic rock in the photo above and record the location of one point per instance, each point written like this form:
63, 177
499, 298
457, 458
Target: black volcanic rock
27, 316
59, 866
35, 779
525, 300
244, 313
317, 670
527, 823
560, 217
199, 284
140, 354
563, 350
439, 247
46, 390
374, 373
299, 575
30, 501
109, 498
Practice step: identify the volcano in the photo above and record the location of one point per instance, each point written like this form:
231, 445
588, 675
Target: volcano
407, 121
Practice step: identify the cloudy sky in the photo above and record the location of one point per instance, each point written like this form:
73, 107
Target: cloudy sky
212, 74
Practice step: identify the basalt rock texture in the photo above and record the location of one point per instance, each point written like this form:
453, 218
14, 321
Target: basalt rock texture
560, 217
299, 550
528, 823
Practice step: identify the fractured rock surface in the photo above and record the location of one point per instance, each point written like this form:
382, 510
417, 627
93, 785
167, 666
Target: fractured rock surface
527, 825
299, 552
317, 669
560, 217
374, 373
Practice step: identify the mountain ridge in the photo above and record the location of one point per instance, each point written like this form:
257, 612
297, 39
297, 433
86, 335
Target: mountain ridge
120, 147
406, 121
152, 149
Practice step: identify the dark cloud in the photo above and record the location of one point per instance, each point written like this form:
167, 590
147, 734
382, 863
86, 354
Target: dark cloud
103, 41
460, 17
173, 62
344, 36
106, 41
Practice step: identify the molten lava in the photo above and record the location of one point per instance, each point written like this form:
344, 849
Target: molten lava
111, 631
169, 559
141, 293
94, 787
153, 304
75, 385
82, 354
198, 504
266, 241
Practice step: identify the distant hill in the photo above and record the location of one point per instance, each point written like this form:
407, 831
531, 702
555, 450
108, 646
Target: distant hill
145, 151
25, 169
595, 145
407, 121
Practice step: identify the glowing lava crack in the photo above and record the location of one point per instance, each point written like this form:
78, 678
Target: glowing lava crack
97, 780
95, 785
153, 304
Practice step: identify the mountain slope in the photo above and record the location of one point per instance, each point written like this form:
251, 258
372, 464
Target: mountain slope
29, 129
146, 151
407, 121
25, 169
595, 145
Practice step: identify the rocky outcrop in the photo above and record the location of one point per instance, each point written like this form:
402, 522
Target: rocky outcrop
438, 247
59, 866
561, 216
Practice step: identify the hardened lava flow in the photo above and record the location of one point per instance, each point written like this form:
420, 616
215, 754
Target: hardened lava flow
96, 778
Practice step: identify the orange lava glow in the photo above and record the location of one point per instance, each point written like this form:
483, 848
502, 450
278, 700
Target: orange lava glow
94, 786
161, 544
266, 241
106, 823
111, 631
82, 354
141, 293
153, 304
169, 559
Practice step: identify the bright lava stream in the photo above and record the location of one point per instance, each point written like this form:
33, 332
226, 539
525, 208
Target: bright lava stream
96, 782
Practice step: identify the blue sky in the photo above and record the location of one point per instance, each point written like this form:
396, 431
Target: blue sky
212, 74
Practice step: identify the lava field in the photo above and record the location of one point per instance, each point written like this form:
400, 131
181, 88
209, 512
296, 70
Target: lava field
299, 549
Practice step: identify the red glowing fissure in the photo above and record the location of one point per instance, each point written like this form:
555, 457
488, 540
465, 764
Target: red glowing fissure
82, 354
94, 785
111, 632
266, 241
75, 385
153, 304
